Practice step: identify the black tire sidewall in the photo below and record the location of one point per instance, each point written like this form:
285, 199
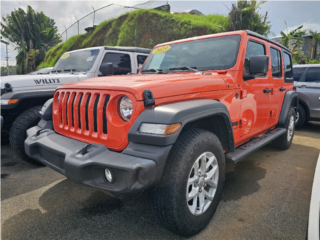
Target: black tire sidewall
302, 116
208, 214
172, 189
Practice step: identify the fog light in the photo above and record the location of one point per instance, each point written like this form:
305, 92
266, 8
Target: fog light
108, 174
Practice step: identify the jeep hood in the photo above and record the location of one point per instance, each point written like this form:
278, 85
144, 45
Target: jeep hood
24, 82
161, 85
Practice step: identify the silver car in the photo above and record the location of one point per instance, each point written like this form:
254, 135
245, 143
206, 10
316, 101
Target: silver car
307, 83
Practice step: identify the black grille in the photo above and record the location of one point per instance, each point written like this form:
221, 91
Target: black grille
87, 114
95, 117
105, 131
74, 98
67, 109
79, 110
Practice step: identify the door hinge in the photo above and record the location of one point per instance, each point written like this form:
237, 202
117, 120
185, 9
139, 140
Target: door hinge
243, 94
240, 123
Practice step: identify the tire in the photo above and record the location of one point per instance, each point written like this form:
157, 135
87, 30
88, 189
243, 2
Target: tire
18, 135
284, 141
170, 195
301, 116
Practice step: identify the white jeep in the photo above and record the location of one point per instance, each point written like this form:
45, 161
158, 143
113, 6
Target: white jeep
22, 96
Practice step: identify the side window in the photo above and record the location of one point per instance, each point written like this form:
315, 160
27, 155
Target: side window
313, 75
297, 73
141, 59
253, 49
276, 63
121, 62
287, 67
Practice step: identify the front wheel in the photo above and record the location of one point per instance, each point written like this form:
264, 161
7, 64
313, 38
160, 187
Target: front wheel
189, 192
18, 135
300, 117
284, 141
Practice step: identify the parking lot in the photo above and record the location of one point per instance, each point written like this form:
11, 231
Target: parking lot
266, 196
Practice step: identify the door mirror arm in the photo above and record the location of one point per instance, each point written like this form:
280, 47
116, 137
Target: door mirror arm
247, 77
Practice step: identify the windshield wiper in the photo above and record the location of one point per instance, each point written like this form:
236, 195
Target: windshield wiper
157, 71
185, 68
70, 70
55, 71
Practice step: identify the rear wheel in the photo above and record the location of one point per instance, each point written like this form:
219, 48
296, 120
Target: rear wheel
189, 192
18, 135
300, 117
284, 141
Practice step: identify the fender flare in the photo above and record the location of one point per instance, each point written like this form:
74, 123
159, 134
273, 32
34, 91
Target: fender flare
45, 93
291, 98
180, 112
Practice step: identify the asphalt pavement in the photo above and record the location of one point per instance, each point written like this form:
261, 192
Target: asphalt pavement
266, 196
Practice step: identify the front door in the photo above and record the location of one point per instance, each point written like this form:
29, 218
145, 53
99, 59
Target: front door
255, 104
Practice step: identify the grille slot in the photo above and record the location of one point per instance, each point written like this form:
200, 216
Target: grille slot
67, 108
72, 113
79, 110
95, 110
86, 113
105, 129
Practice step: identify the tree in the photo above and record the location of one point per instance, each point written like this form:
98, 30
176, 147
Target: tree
32, 34
316, 37
244, 15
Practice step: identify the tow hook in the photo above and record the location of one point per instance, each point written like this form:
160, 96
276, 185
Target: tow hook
39, 132
84, 150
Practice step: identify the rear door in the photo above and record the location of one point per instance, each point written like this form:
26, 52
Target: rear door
277, 81
312, 90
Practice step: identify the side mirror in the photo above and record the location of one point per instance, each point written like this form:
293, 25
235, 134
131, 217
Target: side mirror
106, 69
258, 64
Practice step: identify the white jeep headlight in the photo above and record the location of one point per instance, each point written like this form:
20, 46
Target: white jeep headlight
125, 108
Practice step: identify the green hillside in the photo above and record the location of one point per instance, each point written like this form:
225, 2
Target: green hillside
141, 28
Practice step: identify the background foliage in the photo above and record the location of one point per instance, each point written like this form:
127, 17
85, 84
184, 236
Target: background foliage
32, 34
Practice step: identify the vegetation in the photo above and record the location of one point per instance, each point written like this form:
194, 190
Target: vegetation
244, 15
316, 37
32, 34
12, 71
141, 28
295, 38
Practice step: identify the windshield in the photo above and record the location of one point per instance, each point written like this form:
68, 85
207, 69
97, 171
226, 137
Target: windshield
80, 61
206, 54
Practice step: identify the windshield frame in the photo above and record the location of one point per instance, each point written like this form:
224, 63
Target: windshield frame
76, 70
209, 68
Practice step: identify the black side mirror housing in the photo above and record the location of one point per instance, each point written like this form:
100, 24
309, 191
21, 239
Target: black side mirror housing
106, 69
258, 64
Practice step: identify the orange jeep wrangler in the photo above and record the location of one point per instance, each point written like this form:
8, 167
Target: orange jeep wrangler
195, 103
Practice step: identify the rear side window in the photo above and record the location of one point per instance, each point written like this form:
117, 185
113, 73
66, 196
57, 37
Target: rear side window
313, 75
276, 63
121, 62
287, 67
297, 73
253, 49
141, 59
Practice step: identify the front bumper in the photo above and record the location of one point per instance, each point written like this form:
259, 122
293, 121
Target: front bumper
131, 174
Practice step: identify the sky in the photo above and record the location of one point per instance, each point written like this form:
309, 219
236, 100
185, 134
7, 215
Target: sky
295, 13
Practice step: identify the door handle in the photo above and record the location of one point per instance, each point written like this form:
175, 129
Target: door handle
267, 90
282, 89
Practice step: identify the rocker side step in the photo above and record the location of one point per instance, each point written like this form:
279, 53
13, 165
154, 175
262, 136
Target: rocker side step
254, 144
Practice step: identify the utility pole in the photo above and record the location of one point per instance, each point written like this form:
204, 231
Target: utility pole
7, 57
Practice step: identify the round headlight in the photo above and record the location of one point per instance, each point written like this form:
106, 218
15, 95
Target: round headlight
125, 108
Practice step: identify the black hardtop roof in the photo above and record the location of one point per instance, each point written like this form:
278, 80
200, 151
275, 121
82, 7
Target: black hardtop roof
266, 39
129, 49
